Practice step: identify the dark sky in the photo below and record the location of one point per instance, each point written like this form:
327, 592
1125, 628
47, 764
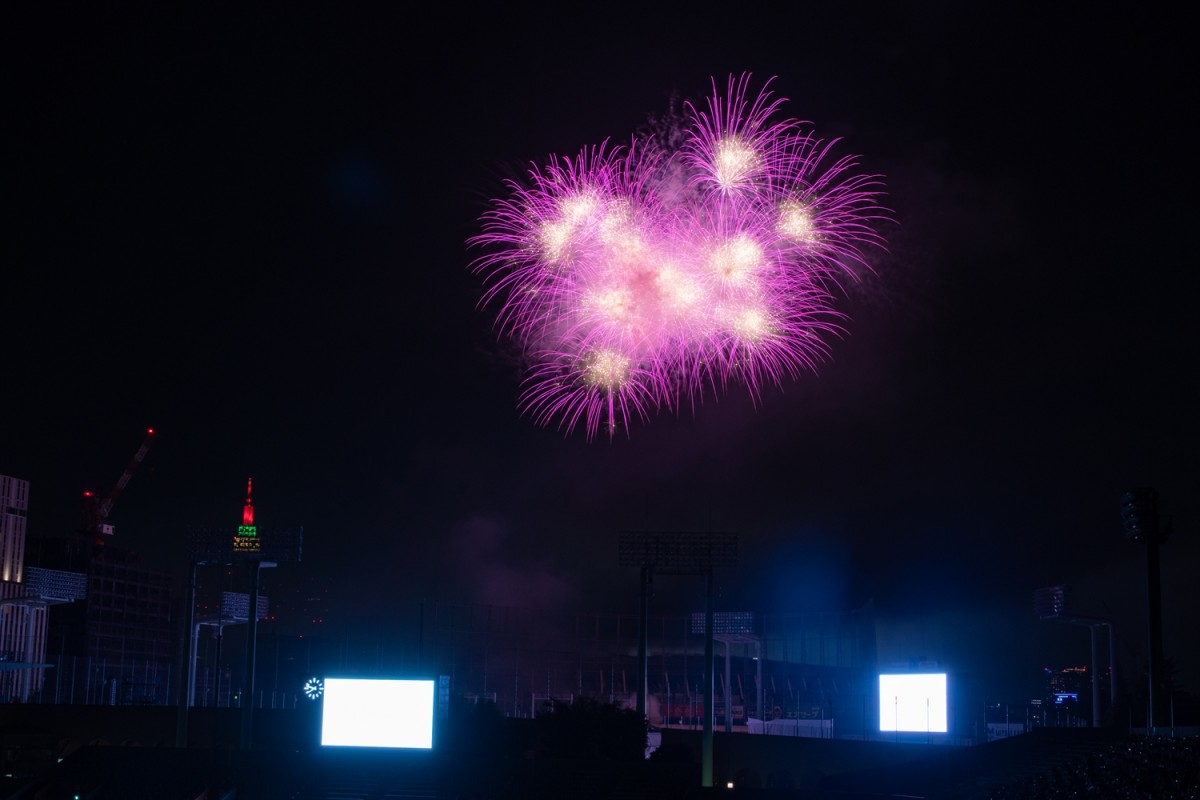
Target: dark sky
248, 230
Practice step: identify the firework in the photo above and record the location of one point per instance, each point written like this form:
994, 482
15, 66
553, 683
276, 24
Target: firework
643, 277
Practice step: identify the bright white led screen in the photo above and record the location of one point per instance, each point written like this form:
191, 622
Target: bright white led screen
377, 713
913, 702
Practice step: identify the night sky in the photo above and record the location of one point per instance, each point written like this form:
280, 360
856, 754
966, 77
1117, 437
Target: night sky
247, 229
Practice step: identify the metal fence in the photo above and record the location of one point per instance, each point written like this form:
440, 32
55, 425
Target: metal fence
798, 663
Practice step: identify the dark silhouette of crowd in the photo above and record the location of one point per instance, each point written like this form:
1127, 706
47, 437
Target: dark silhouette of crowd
1139, 768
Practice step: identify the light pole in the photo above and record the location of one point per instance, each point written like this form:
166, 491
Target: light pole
1051, 603
187, 676
256, 568
683, 553
1139, 513
643, 685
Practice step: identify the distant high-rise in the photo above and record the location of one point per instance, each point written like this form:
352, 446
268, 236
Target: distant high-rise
1067, 687
22, 610
110, 636
14, 506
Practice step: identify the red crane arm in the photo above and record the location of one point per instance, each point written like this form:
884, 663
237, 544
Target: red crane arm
107, 504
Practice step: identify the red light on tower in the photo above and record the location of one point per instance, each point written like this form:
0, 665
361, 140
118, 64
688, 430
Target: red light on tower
248, 509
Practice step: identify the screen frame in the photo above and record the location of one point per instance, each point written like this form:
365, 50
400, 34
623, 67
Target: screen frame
913, 702
378, 713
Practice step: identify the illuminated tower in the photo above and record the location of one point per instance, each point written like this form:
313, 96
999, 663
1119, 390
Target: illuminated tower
246, 539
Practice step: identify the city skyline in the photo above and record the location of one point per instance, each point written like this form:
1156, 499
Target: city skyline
250, 233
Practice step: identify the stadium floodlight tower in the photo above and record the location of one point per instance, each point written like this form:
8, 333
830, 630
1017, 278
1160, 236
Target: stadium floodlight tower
1139, 513
680, 553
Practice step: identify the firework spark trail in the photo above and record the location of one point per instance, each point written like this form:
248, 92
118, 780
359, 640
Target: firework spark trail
647, 276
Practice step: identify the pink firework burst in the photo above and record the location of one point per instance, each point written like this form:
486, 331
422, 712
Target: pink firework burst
644, 277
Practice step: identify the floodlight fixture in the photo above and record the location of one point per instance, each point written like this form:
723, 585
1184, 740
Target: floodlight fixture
1139, 514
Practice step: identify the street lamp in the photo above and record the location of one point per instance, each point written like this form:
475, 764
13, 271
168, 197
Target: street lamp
187, 678
256, 568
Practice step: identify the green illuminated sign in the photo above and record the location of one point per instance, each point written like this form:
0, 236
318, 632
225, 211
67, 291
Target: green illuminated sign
246, 539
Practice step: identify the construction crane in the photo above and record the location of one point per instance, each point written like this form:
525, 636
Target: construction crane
96, 510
